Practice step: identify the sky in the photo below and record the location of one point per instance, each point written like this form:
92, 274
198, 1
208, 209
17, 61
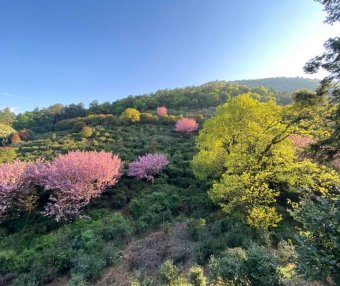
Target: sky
71, 51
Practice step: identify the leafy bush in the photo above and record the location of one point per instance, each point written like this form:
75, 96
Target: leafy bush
229, 266
77, 280
131, 115
147, 117
152, 209
7, 154
86, 132
253, 266
83, 247
6, 131
261, 266
196, 276
318, 238
88, 266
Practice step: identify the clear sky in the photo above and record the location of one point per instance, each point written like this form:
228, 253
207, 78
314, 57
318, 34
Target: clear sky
71, 51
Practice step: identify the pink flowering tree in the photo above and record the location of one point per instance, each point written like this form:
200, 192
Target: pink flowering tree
18, 182
11, 181
186, 125
147, 166
301, 142
162, 111
75, 178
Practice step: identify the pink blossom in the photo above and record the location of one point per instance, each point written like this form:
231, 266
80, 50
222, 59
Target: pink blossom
75, 178
300, 142
186, 125
162, 111
11, 180
145, 167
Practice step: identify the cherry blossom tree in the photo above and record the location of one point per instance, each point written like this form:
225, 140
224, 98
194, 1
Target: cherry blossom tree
186, 125
301, 143
11, 180
162, 111
147, 166
75, 178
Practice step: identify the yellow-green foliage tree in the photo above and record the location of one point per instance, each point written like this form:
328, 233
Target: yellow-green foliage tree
7, 154
6, 130
245, 152
131, 115
86, 132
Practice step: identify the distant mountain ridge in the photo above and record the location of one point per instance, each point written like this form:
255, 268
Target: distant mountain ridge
281, 84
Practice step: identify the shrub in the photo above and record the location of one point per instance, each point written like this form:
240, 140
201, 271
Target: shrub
186, 125
78, 126
88, 266
86, 132
147, 166
152, 209
15, 138
77, 280
147, 118
6, 131
229, 266
196, 276
261, 266
26, 134
318, 237
6, 260
162, 111
169, 272
169, 119
7, 154
66, 124
253, 266
131, 115
115, 227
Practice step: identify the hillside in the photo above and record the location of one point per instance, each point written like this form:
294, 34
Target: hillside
179, 100
281, 84
217, 212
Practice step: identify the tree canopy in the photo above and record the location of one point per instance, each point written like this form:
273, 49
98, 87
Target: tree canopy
245, 152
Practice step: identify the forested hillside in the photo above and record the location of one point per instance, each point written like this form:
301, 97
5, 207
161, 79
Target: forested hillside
191, 196
282, 84
179, 100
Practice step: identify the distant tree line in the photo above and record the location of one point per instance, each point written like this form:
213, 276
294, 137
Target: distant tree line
189, 98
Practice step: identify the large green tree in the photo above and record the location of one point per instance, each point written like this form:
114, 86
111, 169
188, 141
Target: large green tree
245, 151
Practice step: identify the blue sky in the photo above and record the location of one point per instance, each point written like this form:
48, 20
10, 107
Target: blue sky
71, 51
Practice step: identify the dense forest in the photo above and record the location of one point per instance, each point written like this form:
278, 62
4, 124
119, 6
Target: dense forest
217, 184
